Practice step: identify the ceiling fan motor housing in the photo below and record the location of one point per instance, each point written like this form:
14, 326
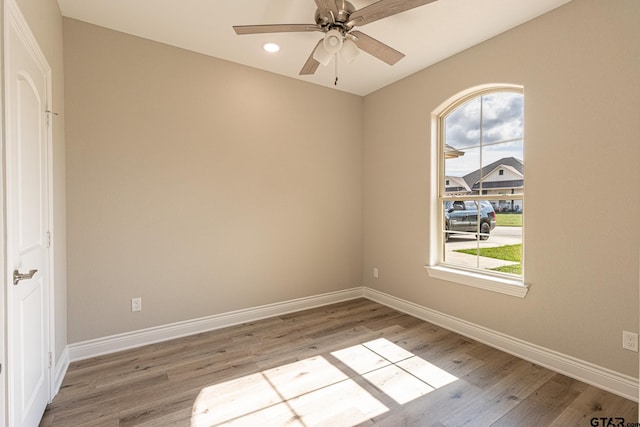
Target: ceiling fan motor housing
325, 18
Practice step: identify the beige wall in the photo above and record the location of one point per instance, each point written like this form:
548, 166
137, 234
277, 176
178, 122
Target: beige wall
200, 185
204, 186
45, 21
579, 66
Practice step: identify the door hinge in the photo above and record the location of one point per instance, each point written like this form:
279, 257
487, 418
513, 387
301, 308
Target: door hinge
49, 238
50, 359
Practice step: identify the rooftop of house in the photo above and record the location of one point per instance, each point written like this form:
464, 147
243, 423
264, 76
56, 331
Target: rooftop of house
473, 177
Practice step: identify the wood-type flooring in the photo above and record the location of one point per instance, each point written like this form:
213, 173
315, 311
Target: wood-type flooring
356, 363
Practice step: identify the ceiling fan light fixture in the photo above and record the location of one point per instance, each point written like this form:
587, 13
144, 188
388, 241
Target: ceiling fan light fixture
349, 51
322, 55
332, 41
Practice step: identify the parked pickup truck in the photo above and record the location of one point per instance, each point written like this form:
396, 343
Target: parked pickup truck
463, 216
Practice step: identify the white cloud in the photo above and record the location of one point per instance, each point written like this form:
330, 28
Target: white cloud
502, 120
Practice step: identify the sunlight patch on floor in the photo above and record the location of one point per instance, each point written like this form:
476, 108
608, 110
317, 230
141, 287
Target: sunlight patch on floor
399, 373
398, 384
314, 391
427, 372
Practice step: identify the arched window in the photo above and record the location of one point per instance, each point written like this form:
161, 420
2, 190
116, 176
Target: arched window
480, 192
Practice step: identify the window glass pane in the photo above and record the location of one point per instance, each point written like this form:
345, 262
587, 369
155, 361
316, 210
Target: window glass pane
489, 241
505, 157
464, 218
501, 117
502, 144
462, 126
459, 171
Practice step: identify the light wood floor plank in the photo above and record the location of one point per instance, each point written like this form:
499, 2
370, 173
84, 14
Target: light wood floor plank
546, 404
356, 363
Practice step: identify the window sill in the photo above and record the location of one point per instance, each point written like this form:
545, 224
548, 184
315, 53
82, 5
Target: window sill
501, 285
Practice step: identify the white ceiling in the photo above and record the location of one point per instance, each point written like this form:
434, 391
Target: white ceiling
427, 34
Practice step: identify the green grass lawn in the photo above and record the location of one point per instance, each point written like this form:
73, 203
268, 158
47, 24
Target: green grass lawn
507, 253
511, 269
508, 220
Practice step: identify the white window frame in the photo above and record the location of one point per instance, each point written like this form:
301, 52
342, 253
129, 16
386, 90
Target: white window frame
436, 267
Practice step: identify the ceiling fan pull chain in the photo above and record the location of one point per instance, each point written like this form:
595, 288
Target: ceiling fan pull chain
335, 83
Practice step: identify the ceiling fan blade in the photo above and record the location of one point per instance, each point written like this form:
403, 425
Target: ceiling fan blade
375, 48
311, 65
330, 5
382, 9
275, 28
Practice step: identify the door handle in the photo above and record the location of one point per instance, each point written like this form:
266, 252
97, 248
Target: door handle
17, 276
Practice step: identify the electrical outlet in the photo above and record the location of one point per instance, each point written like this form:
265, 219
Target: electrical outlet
630, 341
136, 304
375, 272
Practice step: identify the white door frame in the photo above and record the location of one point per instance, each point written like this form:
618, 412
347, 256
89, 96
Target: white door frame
3, 260
11, 15
3, 283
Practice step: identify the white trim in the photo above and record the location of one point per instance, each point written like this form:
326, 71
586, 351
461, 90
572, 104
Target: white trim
4, 279
62, 364
111, 344
479, 280
606, 379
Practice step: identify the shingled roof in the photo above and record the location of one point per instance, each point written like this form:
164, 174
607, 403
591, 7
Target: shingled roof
474, 177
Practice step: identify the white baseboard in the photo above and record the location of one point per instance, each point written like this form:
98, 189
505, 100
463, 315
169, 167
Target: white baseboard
111, 344
606, 379
62, 364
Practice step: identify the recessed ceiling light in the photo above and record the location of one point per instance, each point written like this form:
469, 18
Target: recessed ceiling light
271, 47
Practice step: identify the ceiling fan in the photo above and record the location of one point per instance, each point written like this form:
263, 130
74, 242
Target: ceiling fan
337, 19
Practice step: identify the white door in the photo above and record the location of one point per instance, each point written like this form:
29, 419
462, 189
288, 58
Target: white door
27, 83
